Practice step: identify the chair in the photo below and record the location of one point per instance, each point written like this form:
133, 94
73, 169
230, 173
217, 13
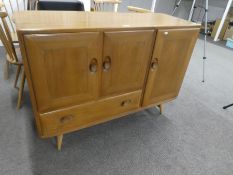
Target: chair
11, 6
73, 5
13, 55
106, 5
138, 10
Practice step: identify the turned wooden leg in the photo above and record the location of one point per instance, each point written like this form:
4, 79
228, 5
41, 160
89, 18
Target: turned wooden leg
161, 108
59, 141
6, 70
17, 74
21, 87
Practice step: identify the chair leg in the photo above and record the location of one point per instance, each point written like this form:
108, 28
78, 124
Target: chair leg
17, 74
21, 87
59, 142
6, 70
161, 108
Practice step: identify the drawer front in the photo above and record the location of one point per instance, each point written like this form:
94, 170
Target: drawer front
82, 116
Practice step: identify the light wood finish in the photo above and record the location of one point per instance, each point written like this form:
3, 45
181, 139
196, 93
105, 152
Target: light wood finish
21, 87
160, 108
51, 21
14, 37
6, 70
129, 52
13, 55
64, 75
106, 5
6, 39
80, 116
17, 74
12, 28
172, 52
83, 71
59, 142
10, 9
138, 10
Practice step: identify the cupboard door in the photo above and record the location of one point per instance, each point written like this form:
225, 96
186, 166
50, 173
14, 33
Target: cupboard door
64, 68
126, 56
172, 52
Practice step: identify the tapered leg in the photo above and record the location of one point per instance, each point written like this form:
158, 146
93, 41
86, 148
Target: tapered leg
59, 142
17, 74
6, 70
161, 108
21, 87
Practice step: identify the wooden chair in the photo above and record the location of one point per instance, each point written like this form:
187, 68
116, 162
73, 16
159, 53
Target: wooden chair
138, 10
11, 6
13, 55
106, 5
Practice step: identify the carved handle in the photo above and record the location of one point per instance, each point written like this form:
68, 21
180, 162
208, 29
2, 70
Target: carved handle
107, 63
154, 64
126, 103
93, 65
66, 119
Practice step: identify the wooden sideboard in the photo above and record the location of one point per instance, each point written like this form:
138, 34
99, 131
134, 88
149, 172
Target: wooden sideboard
86, 68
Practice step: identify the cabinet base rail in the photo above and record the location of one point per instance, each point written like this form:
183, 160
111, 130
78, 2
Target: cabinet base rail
60, 137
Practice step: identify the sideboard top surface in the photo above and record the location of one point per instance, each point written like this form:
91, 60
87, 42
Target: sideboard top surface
57, 20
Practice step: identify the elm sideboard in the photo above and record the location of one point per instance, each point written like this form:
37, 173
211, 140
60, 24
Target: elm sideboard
85, 68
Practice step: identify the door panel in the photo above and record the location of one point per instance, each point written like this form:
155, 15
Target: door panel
64, 68
126, 57
172, 52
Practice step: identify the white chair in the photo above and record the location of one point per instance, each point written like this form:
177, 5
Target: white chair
106, 5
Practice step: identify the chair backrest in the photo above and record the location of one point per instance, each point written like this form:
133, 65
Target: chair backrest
106, 5
138, 10
70, 5
11, 6
5, 36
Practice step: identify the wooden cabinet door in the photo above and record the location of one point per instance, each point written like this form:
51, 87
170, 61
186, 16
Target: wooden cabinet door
64, 68
126, 56
172, 52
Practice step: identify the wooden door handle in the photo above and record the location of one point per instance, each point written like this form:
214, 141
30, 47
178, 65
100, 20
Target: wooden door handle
154, 63
93, 65
107, 63
66, 119
126, 103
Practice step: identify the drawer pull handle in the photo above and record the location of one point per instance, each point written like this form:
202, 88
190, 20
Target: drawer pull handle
107, 63
93, 65
154, 64
66, 119
126, 103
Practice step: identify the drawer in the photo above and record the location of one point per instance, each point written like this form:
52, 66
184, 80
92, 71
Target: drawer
82, 116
